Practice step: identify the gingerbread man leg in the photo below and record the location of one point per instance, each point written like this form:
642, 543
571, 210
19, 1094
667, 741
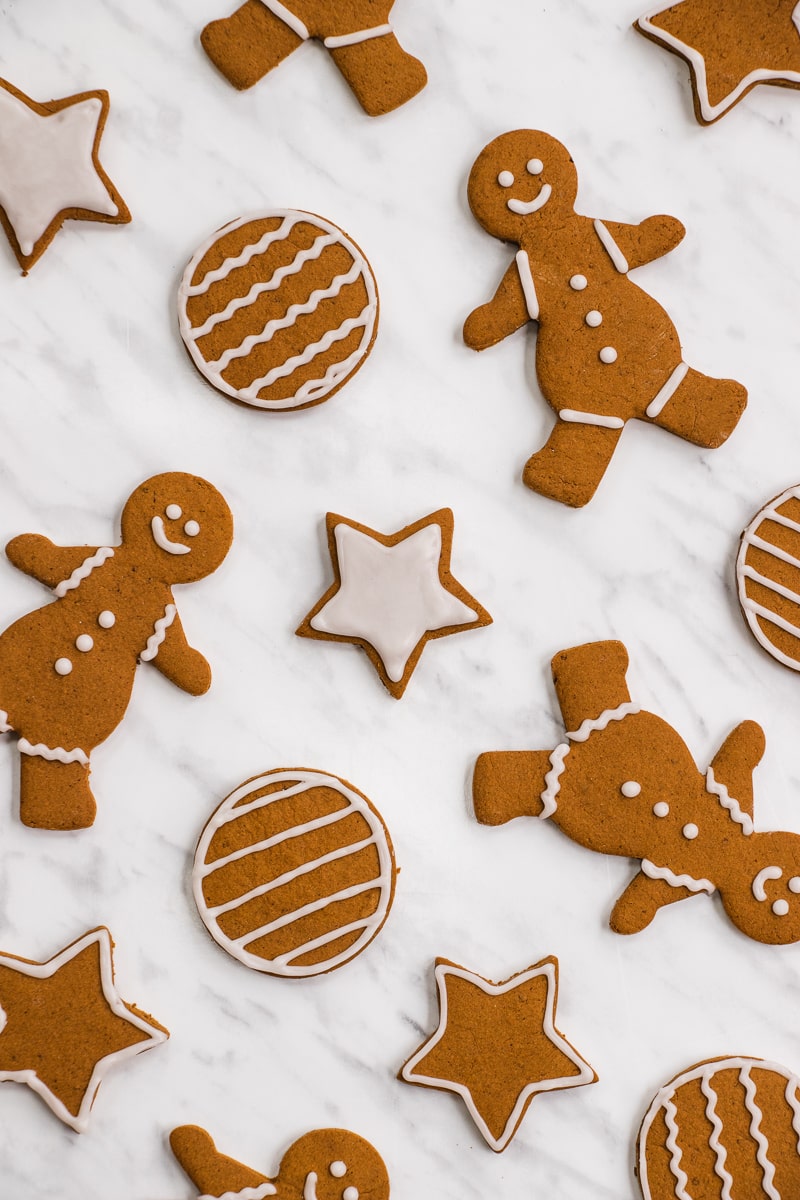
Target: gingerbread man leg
589, 680
572, 462
508, 784
248, 44
380, 72
696, 407
641, 900
54, 794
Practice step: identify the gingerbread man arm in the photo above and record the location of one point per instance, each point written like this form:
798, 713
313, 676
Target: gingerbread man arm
43, 560
506, 312
210, 1171
168, 650
631, 246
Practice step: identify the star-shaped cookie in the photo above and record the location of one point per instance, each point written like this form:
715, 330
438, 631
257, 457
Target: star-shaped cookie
392, 594
63, 1025
497, 1046
50, 170
729, 47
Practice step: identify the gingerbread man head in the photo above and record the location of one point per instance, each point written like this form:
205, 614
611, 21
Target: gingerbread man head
332, 1164
518, 178
180, 526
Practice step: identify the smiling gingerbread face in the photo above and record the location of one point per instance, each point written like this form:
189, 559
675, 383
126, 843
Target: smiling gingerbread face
518, 175
332, 1164
180, 525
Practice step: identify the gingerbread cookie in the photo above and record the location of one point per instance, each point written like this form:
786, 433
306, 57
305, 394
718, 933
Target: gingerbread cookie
724, 1129
496, 1046
278, 311
294, 874
606, 352
362, 44
625, 783
64, 1025
67, 669
49, 169
768, 577
393, 593
729, 49
326, 1164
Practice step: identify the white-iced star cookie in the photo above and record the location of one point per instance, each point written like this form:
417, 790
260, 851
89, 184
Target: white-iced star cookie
49, 169
392, 594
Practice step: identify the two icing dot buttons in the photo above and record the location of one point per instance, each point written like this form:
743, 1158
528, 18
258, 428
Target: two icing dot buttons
337, 1170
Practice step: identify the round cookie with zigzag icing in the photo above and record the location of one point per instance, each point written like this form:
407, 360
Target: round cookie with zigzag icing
768, 577
278, 311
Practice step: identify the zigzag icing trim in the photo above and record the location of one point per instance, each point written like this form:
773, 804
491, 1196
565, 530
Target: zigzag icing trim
716, 1145
678, 1173
53, 754
159, 633
687, 881
728, 802
597, 723
4, 725
758, 1137
248, 1193
85, 569
551, 779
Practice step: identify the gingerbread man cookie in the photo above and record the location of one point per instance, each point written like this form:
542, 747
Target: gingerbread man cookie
362, 44
625, 783
606, 352
326, 1164
67, 670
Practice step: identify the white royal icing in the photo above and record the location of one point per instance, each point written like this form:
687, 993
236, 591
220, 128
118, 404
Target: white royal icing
46, 165
661, 809
390, 596
63, 666
360, 35
578, 283
630, 789
695, 58
79, 1122
4, 725
587, 418
191, 528
592, 724
551, 780
159, 633
690, 831
174, 512
84, 643
781, 908
607, 355
248, 1193
338, 1169
585, 1072
231, 810
664, 1102
612, 249
534, 166
524, 209
593, 318
761, 878
688, 881
310, 1186
505, 179
83, 571
106, 619
350, 1193
665, 394
312, 389
53, 754
734, 809
287, 16
528, 286
751, 608
160, 538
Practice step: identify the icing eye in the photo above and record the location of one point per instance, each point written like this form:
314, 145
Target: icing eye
534, 166
505, 179
690, 832
350, 1193
780, 908
630, 788
338, 1169
174, 512
661, 809
794, 884
191, 529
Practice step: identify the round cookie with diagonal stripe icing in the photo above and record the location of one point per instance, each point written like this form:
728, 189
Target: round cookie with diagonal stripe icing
278, 311
768, 577
294, 873
725, 1128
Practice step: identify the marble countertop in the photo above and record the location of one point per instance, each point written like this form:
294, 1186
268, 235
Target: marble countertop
98, 394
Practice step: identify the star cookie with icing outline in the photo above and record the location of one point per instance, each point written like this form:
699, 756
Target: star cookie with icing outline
497, 1046
49, 169
393, 593
729, 48
64, 1025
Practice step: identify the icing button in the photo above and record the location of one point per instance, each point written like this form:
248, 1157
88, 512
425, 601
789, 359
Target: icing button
593, 318
608, 354
63, 666
661, 809
631, 788
690, 832
84, 643
106, 619
578, 283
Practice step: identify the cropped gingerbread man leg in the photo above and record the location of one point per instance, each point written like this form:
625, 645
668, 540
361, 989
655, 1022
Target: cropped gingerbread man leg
248, 44
696, 407
573, 460
54, 792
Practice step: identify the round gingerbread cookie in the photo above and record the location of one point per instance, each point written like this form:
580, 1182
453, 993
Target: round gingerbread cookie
768, 577
278, 311
294, 874
727, 1127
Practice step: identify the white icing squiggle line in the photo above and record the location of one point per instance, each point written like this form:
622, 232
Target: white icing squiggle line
54, 753
248, 1193
275, 280
688, 881
728, 802
336, 371
611, 248
675, 1153
159, 633
360, 35
794, 1104
285, 322
310, 352
755, 1130
597, 723
587, 418
551, 779
85, 569
528, 286
714, 1142
241, 260
4, 725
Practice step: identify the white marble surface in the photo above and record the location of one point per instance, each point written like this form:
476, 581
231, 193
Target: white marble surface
97, 394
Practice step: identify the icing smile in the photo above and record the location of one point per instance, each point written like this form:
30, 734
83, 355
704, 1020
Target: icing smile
160, 538
524, 209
